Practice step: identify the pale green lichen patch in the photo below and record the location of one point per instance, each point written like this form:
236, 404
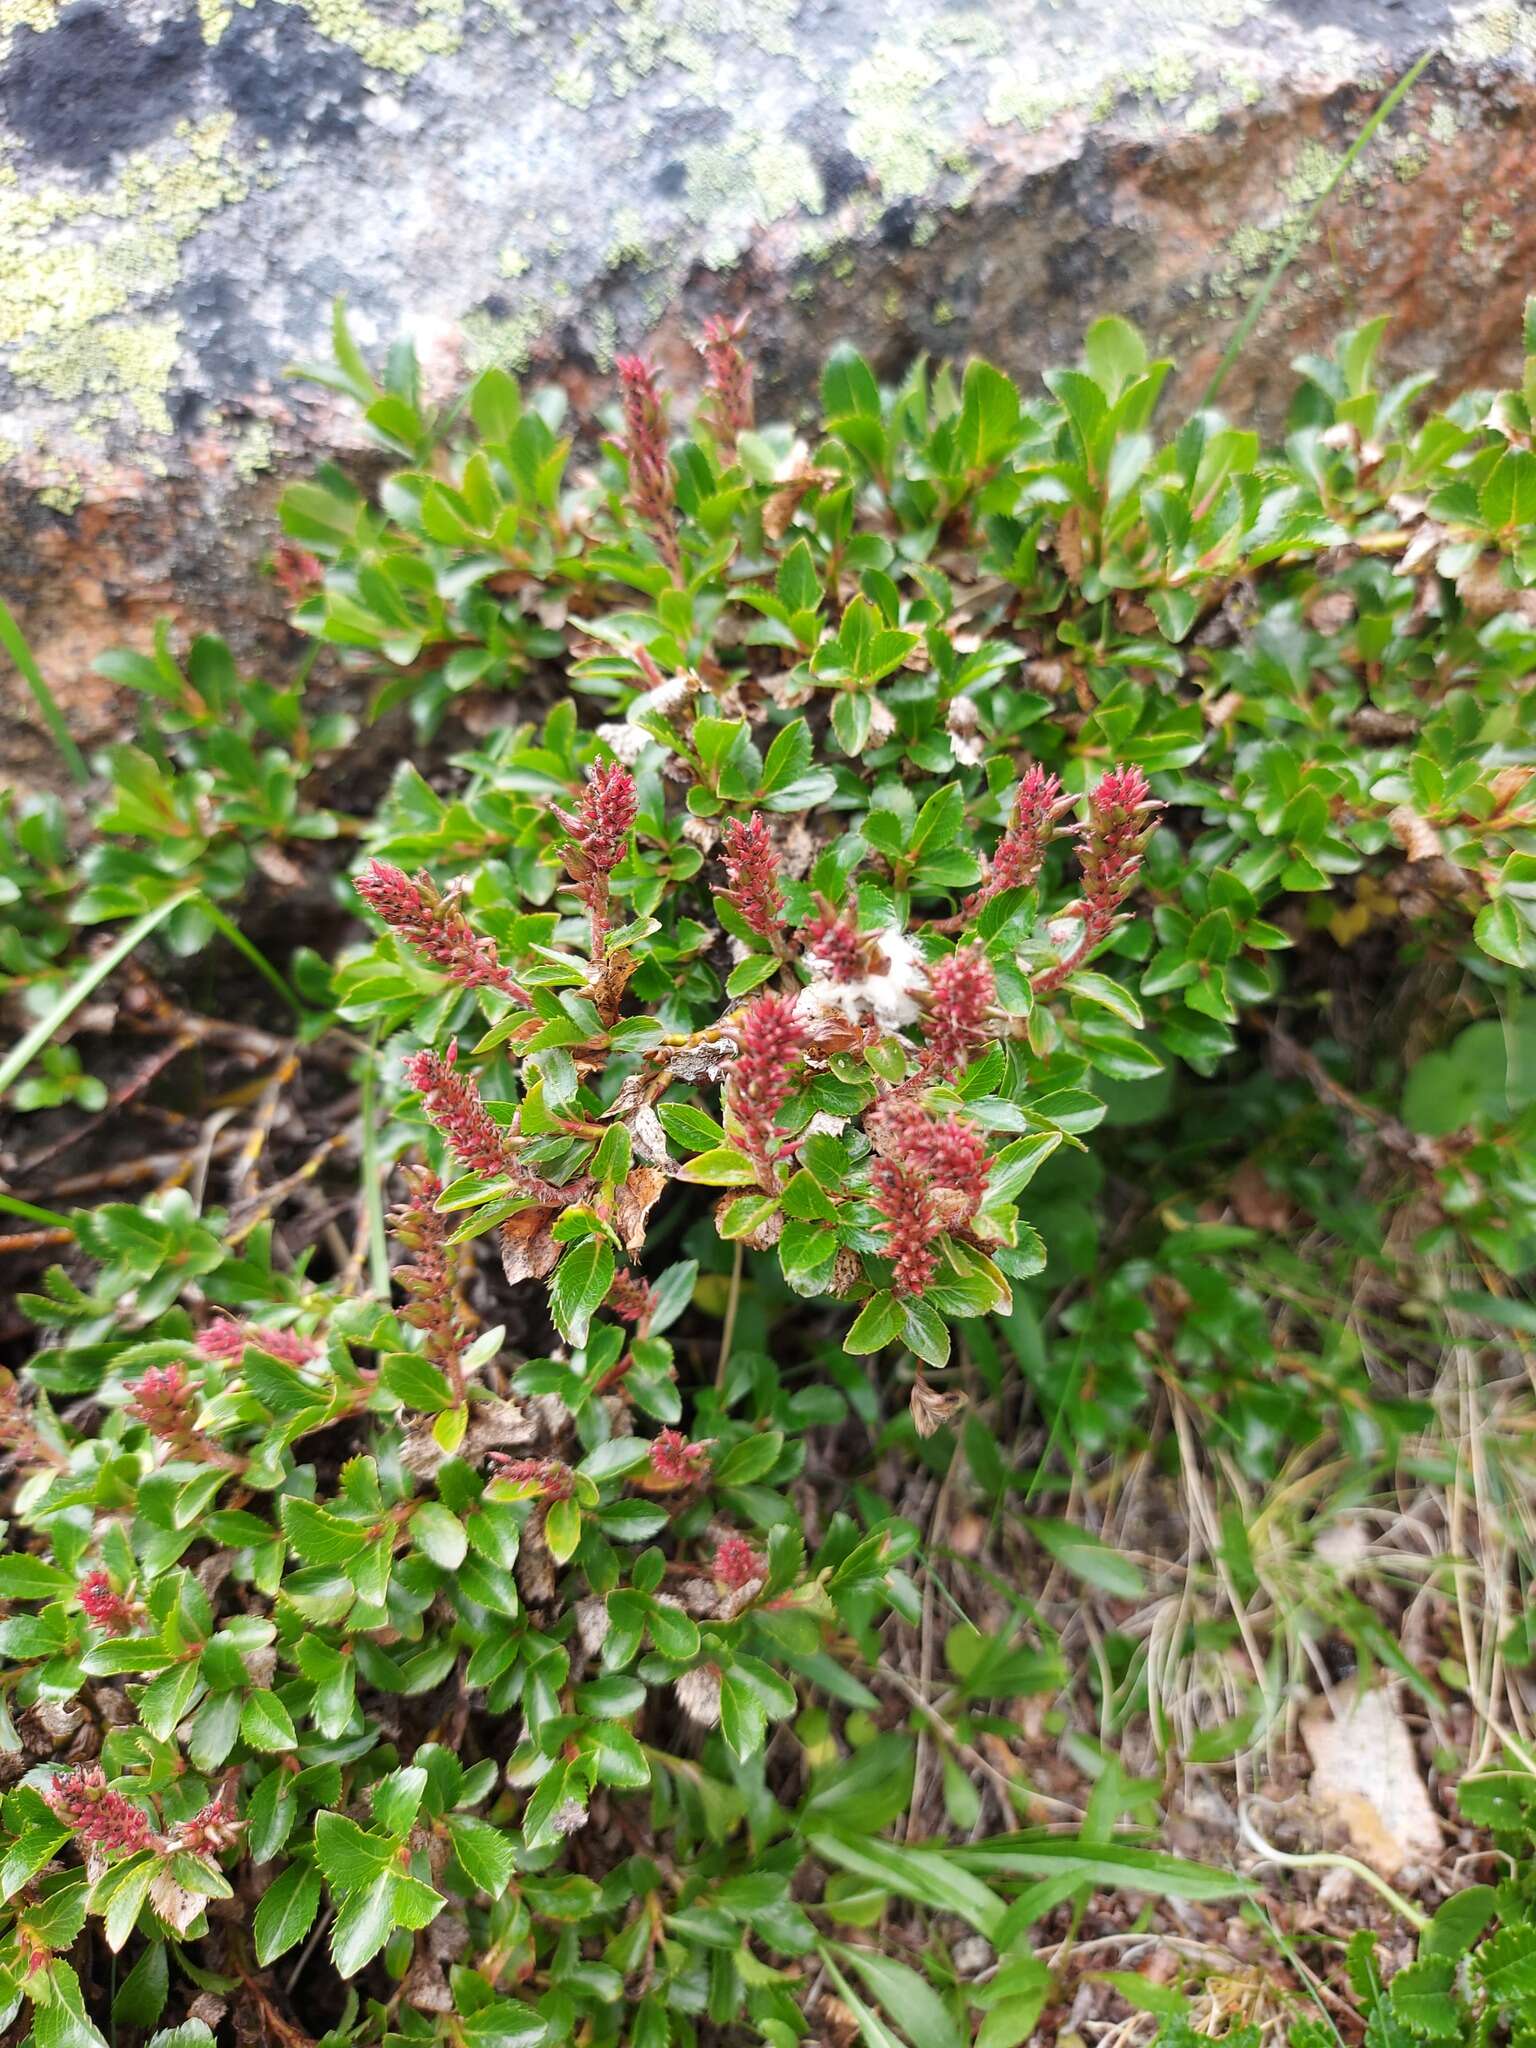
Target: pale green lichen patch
39, 15
576, 85
251, 452
892, 129
504, 341
1203, 114
1495, 29
749, 180
105, 367
79, 267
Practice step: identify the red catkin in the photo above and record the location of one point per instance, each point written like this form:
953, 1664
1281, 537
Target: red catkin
762, 1078
432, 924
652, 486
752, 864
599, 830
737, 1564
961, 994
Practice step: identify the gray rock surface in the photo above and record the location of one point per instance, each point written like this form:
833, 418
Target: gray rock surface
186, 185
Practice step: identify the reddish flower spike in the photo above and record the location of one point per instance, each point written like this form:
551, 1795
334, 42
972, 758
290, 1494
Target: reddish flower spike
432, 924
162, 1400
900, 1194
729, 375
737, 1564
833, 943
429, 1277
652, 486
632, 1298
210, 1831
674, 1460
227, 1338
950, 1153
553, 1479
1021, 851
102, 1604
103, 1819
753, 866
762, 1077
1122, 816
453, 1106
599, 831
961, 994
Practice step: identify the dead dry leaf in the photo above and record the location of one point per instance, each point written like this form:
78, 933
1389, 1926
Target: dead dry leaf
1366, 1779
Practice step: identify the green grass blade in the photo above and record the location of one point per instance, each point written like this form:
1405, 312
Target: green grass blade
26, 1049
1303, 228
253, 953
20, 653
13, 1205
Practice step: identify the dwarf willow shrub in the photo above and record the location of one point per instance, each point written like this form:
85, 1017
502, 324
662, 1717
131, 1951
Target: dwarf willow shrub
406, 1657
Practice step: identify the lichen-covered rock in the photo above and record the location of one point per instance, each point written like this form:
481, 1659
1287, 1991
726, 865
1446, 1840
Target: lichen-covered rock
185, 188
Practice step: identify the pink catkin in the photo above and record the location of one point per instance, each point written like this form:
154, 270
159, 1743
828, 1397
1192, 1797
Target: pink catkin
1021, 851
900, 1194
162, 1400
428, 1277
103, 1819
417, 912
753, 867
652, 486
1122, 816
599, 831
961, 994
833, 940
930, 1175
631, 1298
762, 1077
737, 1564
101, 1603
226, 1337
210, 1831
553, 1479
674, 1460
453, 1106
729, 375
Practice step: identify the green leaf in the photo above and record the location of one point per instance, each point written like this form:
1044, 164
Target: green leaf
266, 1724
723, 1167
142, 1994
439, 1535
23, 1577
1115, 353
582, 1280
924, 1329
1458, 1922
1507, 1965
927, 1876
909, 1999
286, 1911
1421, 1997
562, 1530
743, 1718
363, 1925
848, 387
485, 1855
350, 1859
879, 1322
1089, 1558
1507, 500
1117, 1865
119, 1895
